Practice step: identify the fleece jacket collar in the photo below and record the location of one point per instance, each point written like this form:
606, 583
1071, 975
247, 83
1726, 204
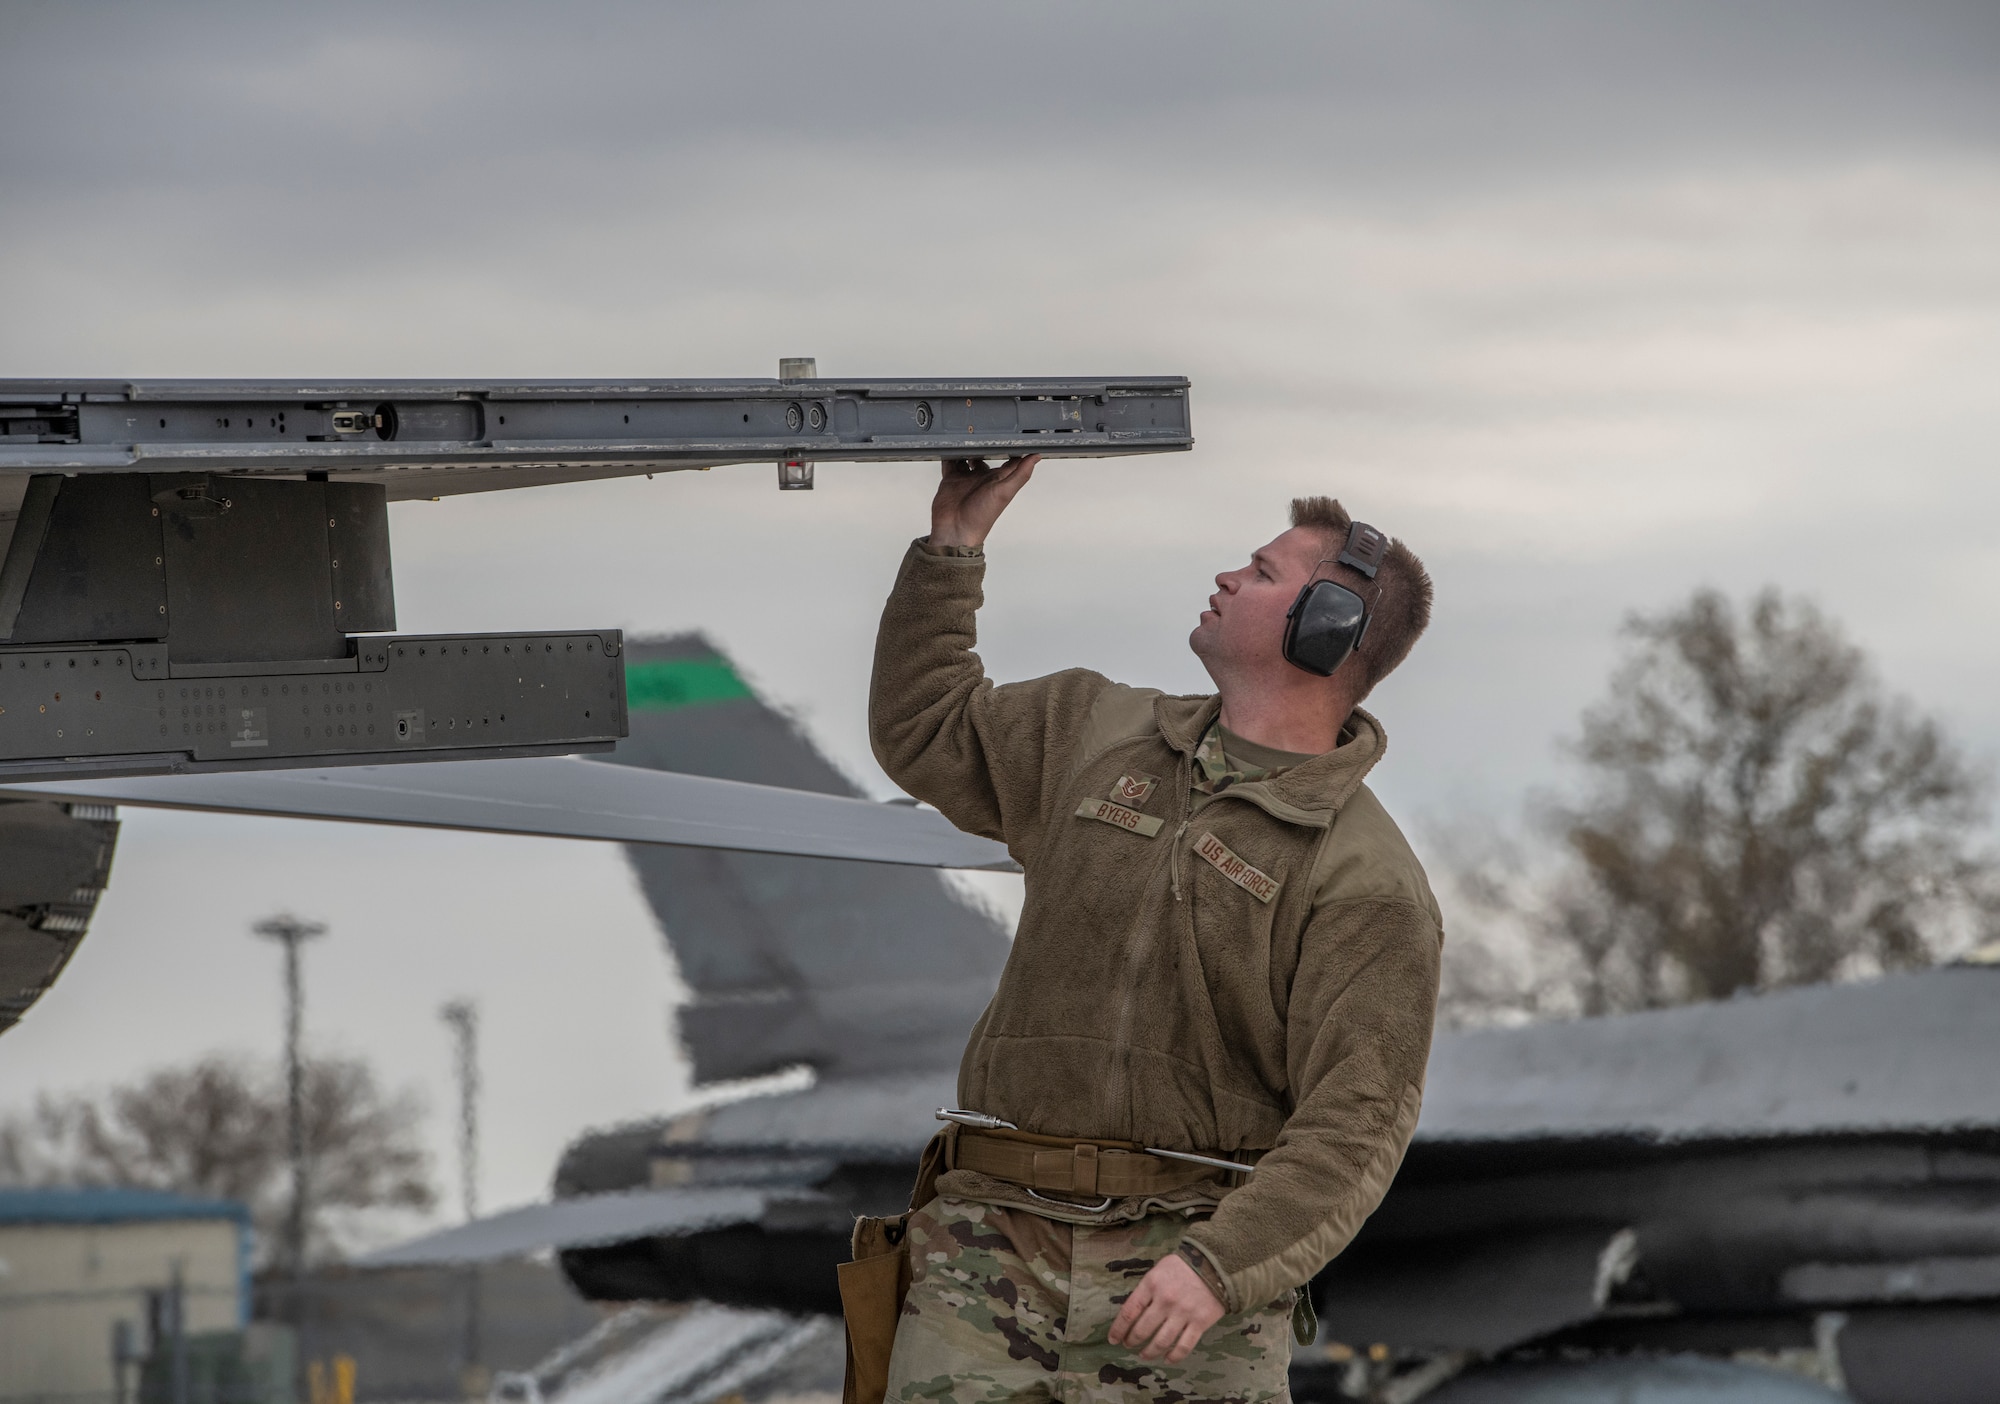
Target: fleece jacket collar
1309, 793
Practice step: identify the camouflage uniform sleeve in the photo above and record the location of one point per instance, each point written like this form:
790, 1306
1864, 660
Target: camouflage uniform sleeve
990, 758
1358, 1036
1211, 1276
973, 553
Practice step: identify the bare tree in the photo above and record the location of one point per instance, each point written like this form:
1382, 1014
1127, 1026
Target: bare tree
217, 1127
1755, 812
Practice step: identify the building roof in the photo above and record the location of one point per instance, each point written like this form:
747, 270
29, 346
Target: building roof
67, 1205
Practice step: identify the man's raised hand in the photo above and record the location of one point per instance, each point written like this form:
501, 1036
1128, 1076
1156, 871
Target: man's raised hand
972, 495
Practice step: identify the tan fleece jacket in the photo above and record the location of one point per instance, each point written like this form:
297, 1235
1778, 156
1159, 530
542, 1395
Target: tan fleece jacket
1252, 970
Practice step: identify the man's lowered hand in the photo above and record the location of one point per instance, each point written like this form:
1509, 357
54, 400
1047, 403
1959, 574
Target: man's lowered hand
1167, 1312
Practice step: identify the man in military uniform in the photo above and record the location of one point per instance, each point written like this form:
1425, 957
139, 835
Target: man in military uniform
1206, 1054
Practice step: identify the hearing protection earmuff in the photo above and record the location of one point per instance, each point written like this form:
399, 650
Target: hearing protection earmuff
1327, 621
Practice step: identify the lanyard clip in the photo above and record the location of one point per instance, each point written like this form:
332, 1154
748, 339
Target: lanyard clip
978, 1121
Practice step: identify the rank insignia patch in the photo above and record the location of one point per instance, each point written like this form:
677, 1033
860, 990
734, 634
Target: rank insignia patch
1134, 789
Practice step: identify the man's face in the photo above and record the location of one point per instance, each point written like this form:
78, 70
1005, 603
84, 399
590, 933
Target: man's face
1242, 632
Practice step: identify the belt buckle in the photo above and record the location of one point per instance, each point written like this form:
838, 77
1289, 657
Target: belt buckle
1065, 1204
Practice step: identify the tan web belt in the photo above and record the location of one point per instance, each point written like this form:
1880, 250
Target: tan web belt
1058, 1165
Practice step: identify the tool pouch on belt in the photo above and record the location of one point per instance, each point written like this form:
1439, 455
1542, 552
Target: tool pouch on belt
873, 1286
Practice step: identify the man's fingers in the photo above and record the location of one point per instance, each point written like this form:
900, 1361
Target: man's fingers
1008, 479
1155, 1331
1016, 471
971, 475
1184, 1347
1168, 1334
1144, 1320
1160, 1324
1141, 1298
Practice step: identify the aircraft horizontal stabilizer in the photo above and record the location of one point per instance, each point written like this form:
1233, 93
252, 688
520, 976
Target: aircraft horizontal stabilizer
584, 1222
431, 438
562, 797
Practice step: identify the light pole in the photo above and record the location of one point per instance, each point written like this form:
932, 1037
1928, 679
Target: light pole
462, 1016
290, 931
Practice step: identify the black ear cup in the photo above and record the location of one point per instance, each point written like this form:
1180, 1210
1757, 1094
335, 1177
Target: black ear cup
1325, 624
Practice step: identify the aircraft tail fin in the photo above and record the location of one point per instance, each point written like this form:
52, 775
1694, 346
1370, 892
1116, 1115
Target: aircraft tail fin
855, 969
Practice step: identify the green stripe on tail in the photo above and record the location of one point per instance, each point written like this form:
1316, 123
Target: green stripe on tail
681, 682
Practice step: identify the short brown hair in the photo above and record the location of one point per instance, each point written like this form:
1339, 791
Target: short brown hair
1400, 609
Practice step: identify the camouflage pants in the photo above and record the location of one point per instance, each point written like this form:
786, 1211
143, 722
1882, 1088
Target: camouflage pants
1007, 1307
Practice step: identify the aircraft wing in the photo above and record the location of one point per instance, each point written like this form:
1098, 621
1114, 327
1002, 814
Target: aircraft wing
563, 797
584, 1222
435, 438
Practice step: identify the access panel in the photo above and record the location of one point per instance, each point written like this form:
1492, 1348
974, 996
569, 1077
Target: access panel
123, 709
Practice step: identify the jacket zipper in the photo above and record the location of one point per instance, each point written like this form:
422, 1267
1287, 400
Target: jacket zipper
1187, 817
1122, 1103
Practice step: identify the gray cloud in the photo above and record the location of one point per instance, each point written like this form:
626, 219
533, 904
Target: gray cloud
528, 101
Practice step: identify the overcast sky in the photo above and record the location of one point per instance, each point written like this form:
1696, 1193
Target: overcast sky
1590, 303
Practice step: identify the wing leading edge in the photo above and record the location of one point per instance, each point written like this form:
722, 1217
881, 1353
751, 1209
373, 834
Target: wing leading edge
562, 797
583, 1222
